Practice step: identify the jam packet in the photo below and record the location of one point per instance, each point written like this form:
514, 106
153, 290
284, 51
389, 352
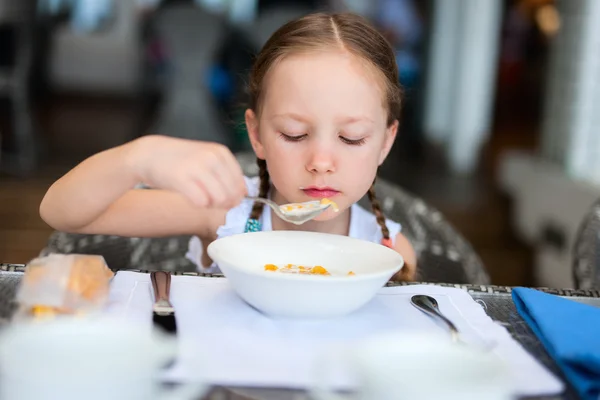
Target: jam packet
63, 284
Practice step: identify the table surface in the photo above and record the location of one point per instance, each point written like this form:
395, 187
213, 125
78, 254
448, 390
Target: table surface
496, 300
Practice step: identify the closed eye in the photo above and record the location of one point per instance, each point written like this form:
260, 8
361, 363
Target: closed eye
353, 142
292, 138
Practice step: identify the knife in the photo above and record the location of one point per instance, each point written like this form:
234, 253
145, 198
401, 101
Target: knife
163, 313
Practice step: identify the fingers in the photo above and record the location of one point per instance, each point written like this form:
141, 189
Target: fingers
219, 178
215, 189
232, 176
194, 192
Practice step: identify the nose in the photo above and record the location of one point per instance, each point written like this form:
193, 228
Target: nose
321, 159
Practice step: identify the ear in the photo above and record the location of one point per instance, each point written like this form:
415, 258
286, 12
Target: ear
390, 136
252, 128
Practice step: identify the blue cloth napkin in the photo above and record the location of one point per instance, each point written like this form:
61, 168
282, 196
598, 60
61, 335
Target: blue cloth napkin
569, 331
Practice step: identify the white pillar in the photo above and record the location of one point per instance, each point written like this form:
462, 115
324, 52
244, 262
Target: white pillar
571, 124
242, 11
439, 88
462, 71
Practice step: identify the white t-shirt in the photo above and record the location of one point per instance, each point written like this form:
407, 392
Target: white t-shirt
363, 225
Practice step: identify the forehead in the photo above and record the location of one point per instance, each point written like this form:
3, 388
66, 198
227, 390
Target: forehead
324, 85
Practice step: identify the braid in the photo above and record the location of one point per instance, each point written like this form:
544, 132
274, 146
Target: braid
377, 211
408, 272
263, 190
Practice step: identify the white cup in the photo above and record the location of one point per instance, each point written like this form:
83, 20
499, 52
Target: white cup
92, 359
413, 366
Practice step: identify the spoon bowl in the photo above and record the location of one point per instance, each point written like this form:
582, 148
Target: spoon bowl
297, 213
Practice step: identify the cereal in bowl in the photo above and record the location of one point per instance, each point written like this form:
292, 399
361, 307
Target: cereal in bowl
300, 269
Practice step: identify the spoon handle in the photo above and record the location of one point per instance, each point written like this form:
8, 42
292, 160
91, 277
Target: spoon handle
271, 204
268, 202
261, 199
429, 306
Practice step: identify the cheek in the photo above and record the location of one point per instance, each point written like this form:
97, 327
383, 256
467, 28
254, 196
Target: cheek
283, 155
283, 164
276, 147
363, 159
361, 168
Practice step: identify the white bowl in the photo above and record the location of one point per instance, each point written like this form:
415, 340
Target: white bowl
242, 258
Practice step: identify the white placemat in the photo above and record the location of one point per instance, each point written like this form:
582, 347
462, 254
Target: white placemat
227, 342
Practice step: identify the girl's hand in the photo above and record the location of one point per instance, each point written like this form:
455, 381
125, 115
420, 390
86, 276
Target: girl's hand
208, 174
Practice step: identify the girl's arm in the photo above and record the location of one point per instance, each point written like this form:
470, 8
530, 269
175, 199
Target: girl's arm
195, 183
409, 271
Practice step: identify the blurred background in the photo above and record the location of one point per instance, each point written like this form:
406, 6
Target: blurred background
497, 130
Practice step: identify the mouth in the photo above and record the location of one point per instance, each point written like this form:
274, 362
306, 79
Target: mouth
320, 192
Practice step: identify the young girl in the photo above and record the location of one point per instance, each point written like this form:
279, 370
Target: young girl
323, 115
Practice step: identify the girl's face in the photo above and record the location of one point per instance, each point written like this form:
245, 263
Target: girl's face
322, 128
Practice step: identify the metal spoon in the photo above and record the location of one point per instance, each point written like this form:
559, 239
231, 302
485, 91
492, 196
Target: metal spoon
292, 212
429, 306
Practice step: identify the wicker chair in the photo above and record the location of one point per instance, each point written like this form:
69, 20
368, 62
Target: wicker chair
443, 254
586, 251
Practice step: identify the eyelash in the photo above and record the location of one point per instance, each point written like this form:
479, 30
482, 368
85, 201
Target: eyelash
357, 142
294, 139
